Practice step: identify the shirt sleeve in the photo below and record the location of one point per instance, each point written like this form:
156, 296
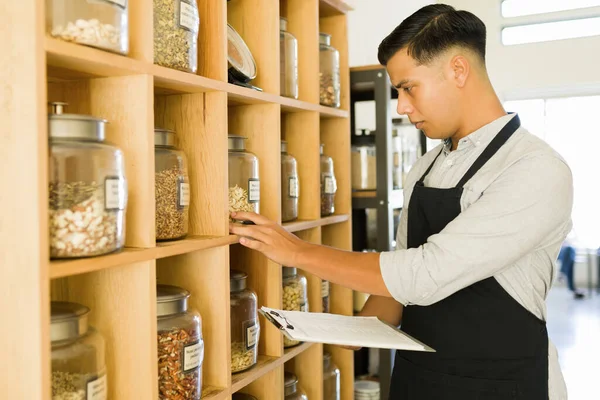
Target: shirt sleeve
527, 207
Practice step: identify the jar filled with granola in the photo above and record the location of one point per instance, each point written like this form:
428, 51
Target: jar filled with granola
78, 354
328, 185
244, 181
295, 296
245, 328
291, 389
180, 345
329, 72
87, 187
289, 185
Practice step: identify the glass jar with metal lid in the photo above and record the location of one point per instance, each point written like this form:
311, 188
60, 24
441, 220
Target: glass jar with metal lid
329, 72
245, 328
295, 296
289, 185
364, 166
180, 345
331, 378
244, 180
291, 389
171, 185
328, 185
87, 187
78, 354
288, 59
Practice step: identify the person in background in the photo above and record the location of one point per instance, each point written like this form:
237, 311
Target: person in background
566, 256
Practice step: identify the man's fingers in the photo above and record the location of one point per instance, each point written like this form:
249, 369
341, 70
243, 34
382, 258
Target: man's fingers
250, 216
251, 244
252, 232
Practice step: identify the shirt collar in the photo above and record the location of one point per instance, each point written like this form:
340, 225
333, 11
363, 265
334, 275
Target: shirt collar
481, 136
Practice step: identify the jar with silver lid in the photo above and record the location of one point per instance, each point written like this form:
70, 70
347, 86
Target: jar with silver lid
244, 180
329, 72
245, 328
87, 187
289, 185
328, 185
180, 345
295, 296
288, 57
171, 185
78, 354
291, 389
367, 390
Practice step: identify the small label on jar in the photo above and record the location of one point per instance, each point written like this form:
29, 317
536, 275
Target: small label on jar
329, 185
304, 307
188, 16
324, 288
293, 184
253, 190
96, 389
251, 330
192, 356
184, 194
120, 3
114, 193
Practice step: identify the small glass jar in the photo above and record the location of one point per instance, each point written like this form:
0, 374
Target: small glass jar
329, 72
102, 23
171, 187
325, 296
245, 328
331, 378
180, 345
328, 185
176, 26
295, 296
78, 354
244, 181
366, 390
288, 58
87, 187
364, 167
289, 185
291, 389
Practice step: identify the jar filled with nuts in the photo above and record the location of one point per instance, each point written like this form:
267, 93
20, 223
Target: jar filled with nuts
87, 187
295, 296
329, 72
244, 181
288, 45
290, 188
245, 328
172, 187
180, 345
328, 185
78, 354
102, 24
291, 389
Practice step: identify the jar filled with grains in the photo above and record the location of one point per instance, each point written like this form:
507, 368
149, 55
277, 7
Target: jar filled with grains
87, 187
78, 354
172, 187
328, 185
180, 345
295, 296
244, 180
289, 185
329, 72
245, 328
291, 389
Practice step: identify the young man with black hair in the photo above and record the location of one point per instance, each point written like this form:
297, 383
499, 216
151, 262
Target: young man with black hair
486, 213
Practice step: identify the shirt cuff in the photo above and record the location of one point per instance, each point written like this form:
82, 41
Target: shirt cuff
389, 272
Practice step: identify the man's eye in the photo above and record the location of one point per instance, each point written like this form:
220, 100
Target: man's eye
407, 89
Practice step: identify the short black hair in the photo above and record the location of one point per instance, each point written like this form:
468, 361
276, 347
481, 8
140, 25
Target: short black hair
433, 29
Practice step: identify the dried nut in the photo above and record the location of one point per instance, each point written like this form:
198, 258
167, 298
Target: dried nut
171, 216
242, 359
238, 200
173, 382
174, 45
90, 32
329, 93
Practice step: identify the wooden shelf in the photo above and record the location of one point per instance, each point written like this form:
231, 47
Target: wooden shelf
364, 194
296, 226
212, 393
329, 8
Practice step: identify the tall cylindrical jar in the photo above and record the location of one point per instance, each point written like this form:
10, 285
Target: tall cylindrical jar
295, 296
78, 354
180, 345
328, 185
87, 187
331, 378
364, 167
291, 389
245, 328
290, 188
101, 23
329, 72
172, 187
244, 180
288, 57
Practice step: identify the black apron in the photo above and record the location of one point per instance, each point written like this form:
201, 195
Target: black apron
488, 346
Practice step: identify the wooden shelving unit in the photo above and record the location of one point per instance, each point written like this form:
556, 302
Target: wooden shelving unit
135, 96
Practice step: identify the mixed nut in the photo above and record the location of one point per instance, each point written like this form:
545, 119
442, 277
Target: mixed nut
173, 381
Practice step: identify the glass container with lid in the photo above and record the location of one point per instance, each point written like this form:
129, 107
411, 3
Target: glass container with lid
102, 23
180, 345
364, 166
288, 58
328, 185
244, 180
295, 296
366, 390
171, 185
331, 379
78, 354
329, 72
241, 65
289, 185
87, 187
245, 328
291, 389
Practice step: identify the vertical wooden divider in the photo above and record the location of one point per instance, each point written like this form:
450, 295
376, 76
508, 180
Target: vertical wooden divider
269, 387
141, 30
212, 39
315, 301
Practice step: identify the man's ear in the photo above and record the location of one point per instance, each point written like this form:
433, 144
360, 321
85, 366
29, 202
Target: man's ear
460, 68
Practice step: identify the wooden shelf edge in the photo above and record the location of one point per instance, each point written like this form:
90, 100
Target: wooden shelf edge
214, 393
303, 225
328, 8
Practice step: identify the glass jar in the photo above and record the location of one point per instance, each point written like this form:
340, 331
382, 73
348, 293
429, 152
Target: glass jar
328, 185
329, 72
289, 185
244, 181
364, 167
78, 354
180, 345
366, 390
295, 296
176, 26
245, 328
291, 389
87, 187
325, 295
171, 187
331, 379
102, 23
288, 58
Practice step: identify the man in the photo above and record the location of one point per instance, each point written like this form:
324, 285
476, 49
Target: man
487, 212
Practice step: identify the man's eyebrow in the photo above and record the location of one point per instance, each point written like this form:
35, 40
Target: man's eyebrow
401, 83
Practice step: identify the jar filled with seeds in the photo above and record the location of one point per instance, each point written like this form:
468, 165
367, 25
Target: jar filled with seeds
289, 185
245, 328
291, 389
172, 187
176, 26
288, 45
331, 378
244, 181
102, 23
329, 72
180, 345
87, 187
325, 296
328, 185
78, 354
295, 296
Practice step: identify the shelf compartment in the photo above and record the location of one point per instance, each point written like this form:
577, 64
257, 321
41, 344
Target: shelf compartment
213, 393
302, 225
329, 8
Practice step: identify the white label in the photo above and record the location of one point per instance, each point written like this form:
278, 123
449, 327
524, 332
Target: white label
114, 194
192, 356
120, 3
293, 184
324, 288
251, 336
329, 185
253, 191
184, 194
96, 390
304, 307
188, 17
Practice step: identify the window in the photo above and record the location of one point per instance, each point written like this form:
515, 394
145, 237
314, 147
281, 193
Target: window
517, 8
572, 29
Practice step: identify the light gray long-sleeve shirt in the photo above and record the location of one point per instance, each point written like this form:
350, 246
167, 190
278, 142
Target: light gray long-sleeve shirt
516, 212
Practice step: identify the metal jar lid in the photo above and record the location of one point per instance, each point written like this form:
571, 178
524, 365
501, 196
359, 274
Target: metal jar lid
242, 396
68, 320
171, 300
283, 146
237, 280
164, 137
321, 149
283, 24
290, 383
236, 143
74, 126
366, 387
241, 62
289, 271
325, 38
